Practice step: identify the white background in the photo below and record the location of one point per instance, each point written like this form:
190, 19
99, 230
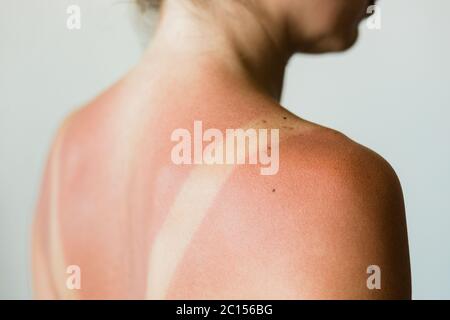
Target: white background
391, 92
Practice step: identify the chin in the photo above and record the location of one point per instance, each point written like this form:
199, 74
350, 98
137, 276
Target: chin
344, 42
332, 43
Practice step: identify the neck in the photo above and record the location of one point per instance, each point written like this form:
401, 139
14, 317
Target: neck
214, 36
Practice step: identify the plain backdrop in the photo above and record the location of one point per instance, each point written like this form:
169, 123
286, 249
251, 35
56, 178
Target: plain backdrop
391, 92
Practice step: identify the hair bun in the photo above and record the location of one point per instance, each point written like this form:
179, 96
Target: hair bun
148, 4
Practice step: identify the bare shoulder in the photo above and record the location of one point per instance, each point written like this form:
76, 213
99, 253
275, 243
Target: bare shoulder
336, 163
351, 214
335, 211
342, 163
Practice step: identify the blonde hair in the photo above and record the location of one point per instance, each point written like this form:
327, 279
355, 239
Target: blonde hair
149, 4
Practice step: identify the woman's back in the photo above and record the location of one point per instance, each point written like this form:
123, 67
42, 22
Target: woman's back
140, 195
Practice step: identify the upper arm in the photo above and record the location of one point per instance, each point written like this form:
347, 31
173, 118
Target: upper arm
352, 223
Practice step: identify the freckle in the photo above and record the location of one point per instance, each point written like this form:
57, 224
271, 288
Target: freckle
273, 190
264, 121
284, 118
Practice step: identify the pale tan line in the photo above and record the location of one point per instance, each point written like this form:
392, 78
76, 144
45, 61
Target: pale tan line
187, 213
189, 210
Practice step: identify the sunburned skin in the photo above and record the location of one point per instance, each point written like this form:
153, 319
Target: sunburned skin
141, 227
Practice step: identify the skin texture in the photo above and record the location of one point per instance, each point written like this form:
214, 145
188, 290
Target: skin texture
140, 227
